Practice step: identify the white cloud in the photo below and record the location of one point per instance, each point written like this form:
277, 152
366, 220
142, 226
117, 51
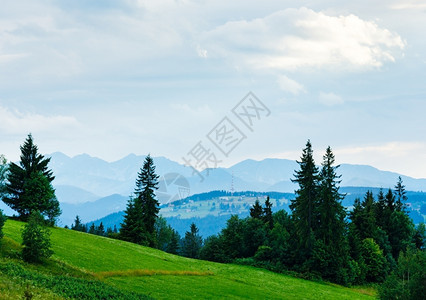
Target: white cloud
291, 39
16, 122
330, 99
290, 85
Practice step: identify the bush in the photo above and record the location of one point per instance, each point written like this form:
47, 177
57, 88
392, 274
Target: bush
36, 239
375, 262
408, 281
213, 250
264, 253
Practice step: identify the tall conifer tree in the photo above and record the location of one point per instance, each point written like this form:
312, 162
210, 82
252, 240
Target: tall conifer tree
142, 210
400, 194
331, 250
256, 210
29, 184
303, 206
267, 213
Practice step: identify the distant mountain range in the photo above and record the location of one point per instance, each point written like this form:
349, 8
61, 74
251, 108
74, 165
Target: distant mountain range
83, 179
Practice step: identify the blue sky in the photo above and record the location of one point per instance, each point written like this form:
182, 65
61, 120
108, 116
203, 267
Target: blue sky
109, 78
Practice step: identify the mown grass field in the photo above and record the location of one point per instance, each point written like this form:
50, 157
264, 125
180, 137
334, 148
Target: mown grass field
142, 271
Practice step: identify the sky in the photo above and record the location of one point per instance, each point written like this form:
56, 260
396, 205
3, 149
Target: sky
110, 78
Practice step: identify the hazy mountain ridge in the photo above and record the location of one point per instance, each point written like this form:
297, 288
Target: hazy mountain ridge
94, 188
102, 178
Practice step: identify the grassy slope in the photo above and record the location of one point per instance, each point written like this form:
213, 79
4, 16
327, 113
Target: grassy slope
93, 254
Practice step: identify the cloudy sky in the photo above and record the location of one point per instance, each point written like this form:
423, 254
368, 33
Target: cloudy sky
109, 78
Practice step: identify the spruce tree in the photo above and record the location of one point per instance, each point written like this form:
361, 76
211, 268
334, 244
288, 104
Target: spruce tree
92, 229
303, 206
331, 212
400, 195
331, 253
146, 185
173, 245
390, 202
368, 227
192, 243
267, 213
78, 225
32, 174
133, 229
142, 210
381, 218
100, 230
256, 211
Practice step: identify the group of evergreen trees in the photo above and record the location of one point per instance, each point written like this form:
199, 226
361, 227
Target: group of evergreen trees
319, 238
319, 218
78, 225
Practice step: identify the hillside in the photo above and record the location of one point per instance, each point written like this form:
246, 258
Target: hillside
136, 270
210, 211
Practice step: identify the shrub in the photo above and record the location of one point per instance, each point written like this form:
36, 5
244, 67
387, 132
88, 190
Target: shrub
36, 239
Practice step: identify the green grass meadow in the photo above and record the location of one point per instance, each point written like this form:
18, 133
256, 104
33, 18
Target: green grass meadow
127, 271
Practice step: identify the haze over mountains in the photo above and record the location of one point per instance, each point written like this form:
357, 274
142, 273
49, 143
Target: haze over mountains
92, 188
84, 178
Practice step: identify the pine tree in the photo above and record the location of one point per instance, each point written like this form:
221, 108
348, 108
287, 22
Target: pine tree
256, 211
146, 184
100, 230
92, 229
78, 225
331, 212
267, 213
192, 243
31, 173
133, 229
303, 206
390, 202
400, 195
381, 218
142, 211
173, 245
331, 251
368, 227
36, 239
